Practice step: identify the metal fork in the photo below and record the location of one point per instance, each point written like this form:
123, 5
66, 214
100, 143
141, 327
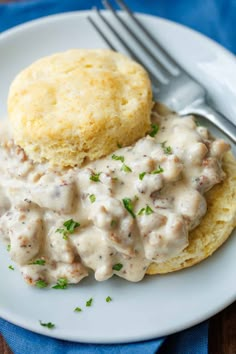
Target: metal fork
171, 84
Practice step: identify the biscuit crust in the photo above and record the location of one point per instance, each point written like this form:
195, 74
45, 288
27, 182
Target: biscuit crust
76, 106
215, 227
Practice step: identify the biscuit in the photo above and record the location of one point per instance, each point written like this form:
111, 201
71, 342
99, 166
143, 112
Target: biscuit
78, 105
215, 227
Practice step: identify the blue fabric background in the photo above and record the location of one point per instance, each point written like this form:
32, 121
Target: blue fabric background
214, 18
190, 341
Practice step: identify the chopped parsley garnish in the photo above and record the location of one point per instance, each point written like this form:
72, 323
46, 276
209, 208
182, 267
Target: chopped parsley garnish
77, 309
125, 168
141, 211
119, 145
63, 232
8, 248
146, 211
118, 158
89, 302
39, 262
11, 267
49, 325
128, 206
62, 283
95, 177
92, 198
154, 130
117, 267
108, 299
70, 226
141, 175
41, 284
159, 170
167, 149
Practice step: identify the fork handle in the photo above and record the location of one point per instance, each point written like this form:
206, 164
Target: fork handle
225, 125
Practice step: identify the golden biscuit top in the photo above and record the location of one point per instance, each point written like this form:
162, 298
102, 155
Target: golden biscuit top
70, 97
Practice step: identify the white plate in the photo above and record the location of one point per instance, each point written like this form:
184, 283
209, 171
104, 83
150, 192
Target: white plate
158, 305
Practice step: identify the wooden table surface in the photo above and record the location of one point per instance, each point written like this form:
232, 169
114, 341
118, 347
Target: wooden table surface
222, 333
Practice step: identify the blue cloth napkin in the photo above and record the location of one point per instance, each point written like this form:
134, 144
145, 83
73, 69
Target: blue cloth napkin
190, 341
216, 19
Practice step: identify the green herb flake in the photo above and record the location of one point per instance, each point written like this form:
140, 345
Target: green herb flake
64, 232
39, 262
141, 175
77, 309
89, 302
118, 158
159, 170
108, 299
62, 283
41, 284
125, 168
141, 211
95, 177
49, 325
147, 211
154, 130
8, 248
70, 226
61, 231
167, 149
92, 198
11, 267
119, 145
117, 267
128, 206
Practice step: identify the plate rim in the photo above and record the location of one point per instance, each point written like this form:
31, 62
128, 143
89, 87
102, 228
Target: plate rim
18, 28
58, 17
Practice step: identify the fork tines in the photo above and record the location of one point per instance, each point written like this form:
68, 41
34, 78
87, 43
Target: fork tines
129, 34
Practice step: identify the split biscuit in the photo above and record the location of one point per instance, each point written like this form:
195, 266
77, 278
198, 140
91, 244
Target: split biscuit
79, 105
215, 227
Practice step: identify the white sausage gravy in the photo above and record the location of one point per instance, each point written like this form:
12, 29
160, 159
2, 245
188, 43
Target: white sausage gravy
113, 216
